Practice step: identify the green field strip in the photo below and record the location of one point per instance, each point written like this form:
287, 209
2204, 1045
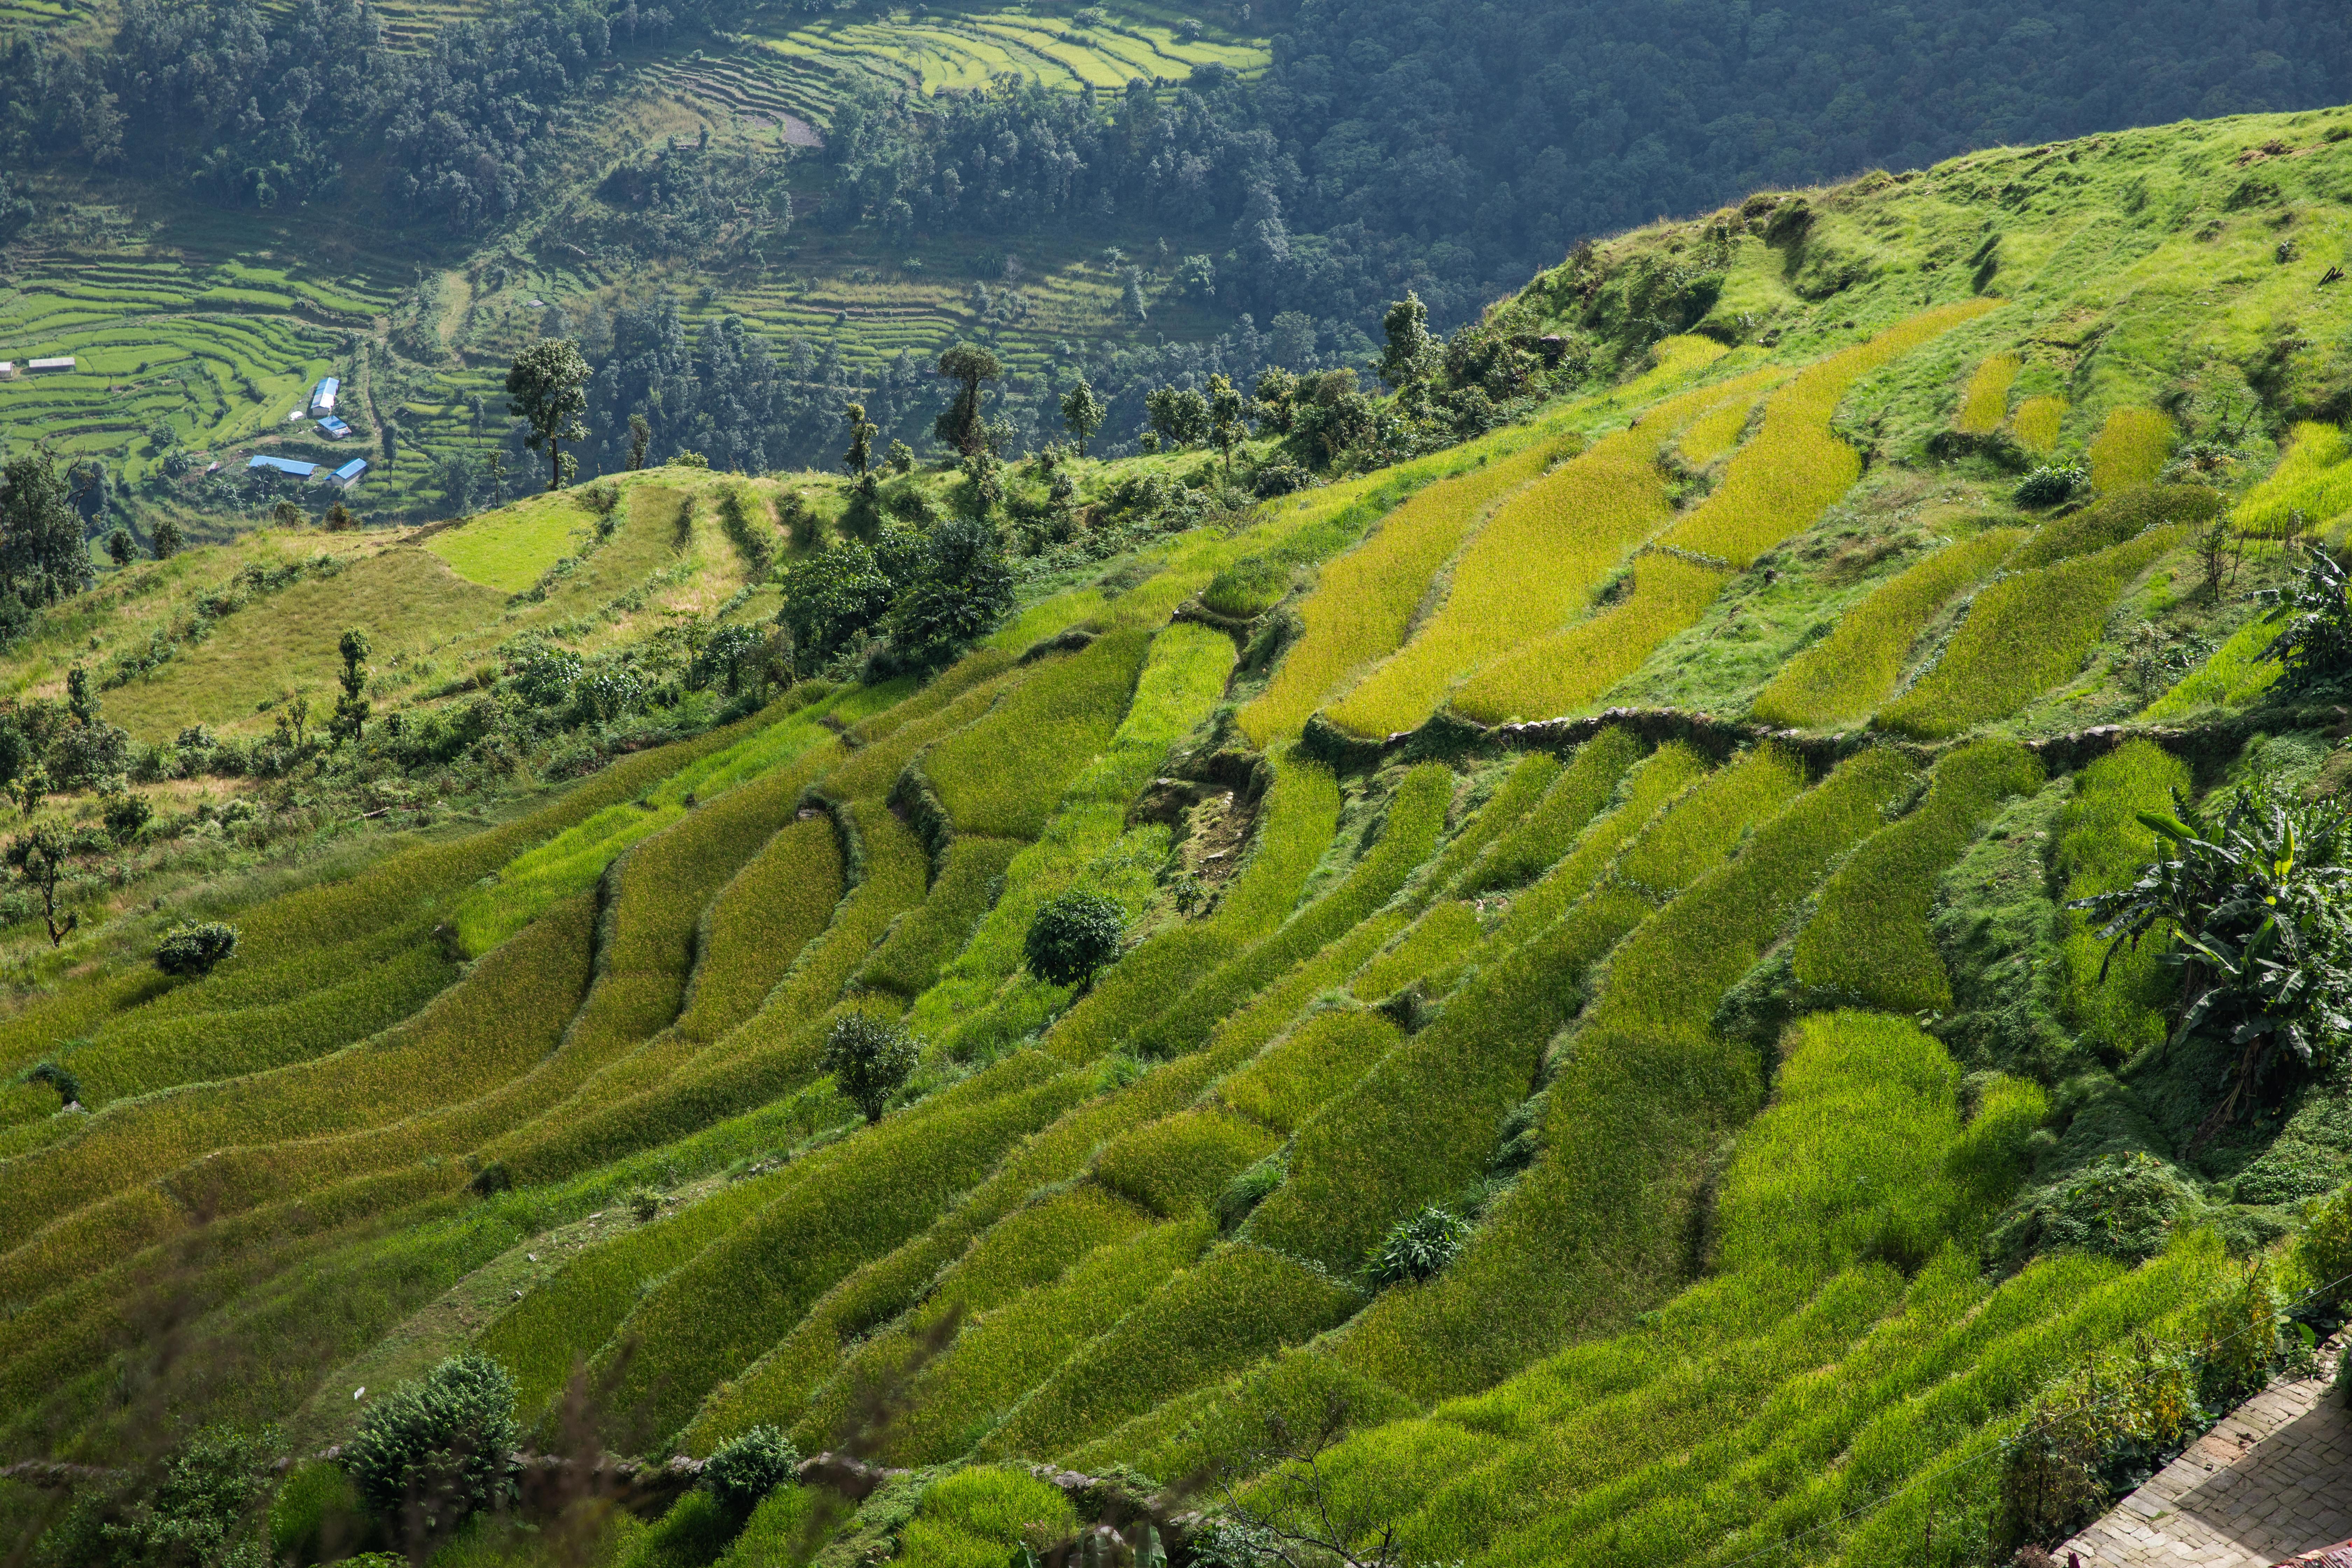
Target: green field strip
1007, 1353
510, 549
983, 999
716, 1314
1854, 668
1409, 835
1423, 1120
1646, 1085
507, 1013
208, 1048
1868, 940
1299, 816
1040, 1242
1002, 776
1241, 1303
2023, 635
636, 1103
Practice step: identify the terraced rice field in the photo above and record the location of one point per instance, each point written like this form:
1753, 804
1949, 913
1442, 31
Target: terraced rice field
220, 354
960, 51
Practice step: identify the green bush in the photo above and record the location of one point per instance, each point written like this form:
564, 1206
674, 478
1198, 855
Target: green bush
2326, 1247
868, 1057
744, 1471
59, 1077
194, 950
1419, 1246
2050, 484
1073, 937
437, 1450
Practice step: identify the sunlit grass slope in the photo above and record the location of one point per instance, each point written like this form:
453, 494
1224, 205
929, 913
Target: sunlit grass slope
1682, 1022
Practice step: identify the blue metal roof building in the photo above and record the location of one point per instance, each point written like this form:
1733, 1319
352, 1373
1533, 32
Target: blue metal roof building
282, 465
349, 474
323, 396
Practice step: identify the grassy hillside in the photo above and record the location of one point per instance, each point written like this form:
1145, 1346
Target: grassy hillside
1627, 850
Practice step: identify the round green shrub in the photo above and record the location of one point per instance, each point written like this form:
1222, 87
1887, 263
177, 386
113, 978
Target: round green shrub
743, 1472
2050, 484
1418, 1247
1072, 936
194, 950
438, 1449
868, 1057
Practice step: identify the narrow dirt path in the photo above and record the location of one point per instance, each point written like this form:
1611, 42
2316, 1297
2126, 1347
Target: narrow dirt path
2274, 1479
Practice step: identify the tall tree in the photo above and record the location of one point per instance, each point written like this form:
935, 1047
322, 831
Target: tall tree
1227, 409
350, 722
1411, 353
43, 557
1082, 413
548, 387
962, 426
860, 456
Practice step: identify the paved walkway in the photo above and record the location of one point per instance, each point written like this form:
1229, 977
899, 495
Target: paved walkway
2274, 1479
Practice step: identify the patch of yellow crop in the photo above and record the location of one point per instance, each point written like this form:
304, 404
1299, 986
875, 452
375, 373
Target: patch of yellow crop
1566, 671
2130, 448
1794, 467
2035, 422
1535, 564
1986, 402
2315, 479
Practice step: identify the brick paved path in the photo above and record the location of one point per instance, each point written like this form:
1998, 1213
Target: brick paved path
2274, 1479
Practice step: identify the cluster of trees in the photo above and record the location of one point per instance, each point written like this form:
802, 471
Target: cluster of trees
912, 600
263, 107
684, 200
1397, 145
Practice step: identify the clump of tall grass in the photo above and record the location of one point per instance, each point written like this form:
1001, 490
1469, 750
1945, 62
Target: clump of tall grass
1986, 402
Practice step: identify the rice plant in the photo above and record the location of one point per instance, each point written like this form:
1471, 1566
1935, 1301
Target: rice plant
2036, 423
2023, 635
1985, 402
1566, 672
2130, 448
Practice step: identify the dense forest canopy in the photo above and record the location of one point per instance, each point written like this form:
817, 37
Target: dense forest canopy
1393, 144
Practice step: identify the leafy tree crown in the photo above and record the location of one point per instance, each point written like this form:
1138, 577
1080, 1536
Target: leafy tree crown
1073, 936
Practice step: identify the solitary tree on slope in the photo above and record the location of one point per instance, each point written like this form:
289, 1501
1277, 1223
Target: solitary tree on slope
549, 387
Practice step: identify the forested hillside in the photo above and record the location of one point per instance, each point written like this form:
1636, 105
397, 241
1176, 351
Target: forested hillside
753, 215
1522, 969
